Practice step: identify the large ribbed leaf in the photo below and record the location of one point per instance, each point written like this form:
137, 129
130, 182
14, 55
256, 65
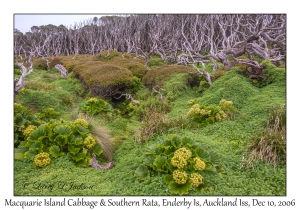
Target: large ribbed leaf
82, 130
38, 134
19, 120
30, 155
61, 140
215, 158
168, 178
97, 149
76, 141
149, 161
63, 130
55, 151
160, 163
202, 154
73, 150
78, 157
36, 146
180, 189
141, 172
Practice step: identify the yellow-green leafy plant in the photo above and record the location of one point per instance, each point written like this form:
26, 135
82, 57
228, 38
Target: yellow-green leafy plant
54, 138
202, 114
81, 122
95, 106
24, 120
182, 160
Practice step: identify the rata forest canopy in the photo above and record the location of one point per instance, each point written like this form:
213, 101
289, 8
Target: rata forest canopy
189, 104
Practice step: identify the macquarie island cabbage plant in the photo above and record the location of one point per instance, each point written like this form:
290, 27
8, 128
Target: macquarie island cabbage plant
202, 114
42, 140
185, 163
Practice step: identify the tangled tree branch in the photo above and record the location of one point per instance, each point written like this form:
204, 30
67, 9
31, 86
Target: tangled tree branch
129, 97
160, 97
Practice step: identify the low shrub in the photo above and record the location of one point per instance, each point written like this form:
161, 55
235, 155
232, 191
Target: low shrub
186, 164
156, 61
54, 61
95, 106
107, 55
160, 74
137, 69
40, 63
202, 114
103, 80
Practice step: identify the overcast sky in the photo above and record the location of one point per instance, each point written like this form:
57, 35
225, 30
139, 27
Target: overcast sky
24, 22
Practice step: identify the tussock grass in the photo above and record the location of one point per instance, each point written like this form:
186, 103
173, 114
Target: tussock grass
270, 144
35, 85
154, 122
102, 136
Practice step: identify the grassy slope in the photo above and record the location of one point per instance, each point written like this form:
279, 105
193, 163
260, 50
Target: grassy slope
228, 138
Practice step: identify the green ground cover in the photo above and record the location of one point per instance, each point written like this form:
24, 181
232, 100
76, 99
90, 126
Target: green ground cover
127, 122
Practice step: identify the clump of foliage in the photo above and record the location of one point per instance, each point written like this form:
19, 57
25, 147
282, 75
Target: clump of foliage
24, 122
38, 136
156, 61
219, 73
202, 86
272, 74
137, 69
160, 74
103, 79
107, 55
58, 137
203, 114
154, 122
54, 61
186, 164
270, 144
40, 63
41, 86
175, 85
95, 106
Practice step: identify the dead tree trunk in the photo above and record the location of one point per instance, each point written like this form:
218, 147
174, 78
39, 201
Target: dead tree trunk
63, 71
21, 81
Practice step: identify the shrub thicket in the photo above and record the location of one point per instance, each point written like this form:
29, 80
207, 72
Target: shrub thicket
40, 63
103, 79
160, 74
